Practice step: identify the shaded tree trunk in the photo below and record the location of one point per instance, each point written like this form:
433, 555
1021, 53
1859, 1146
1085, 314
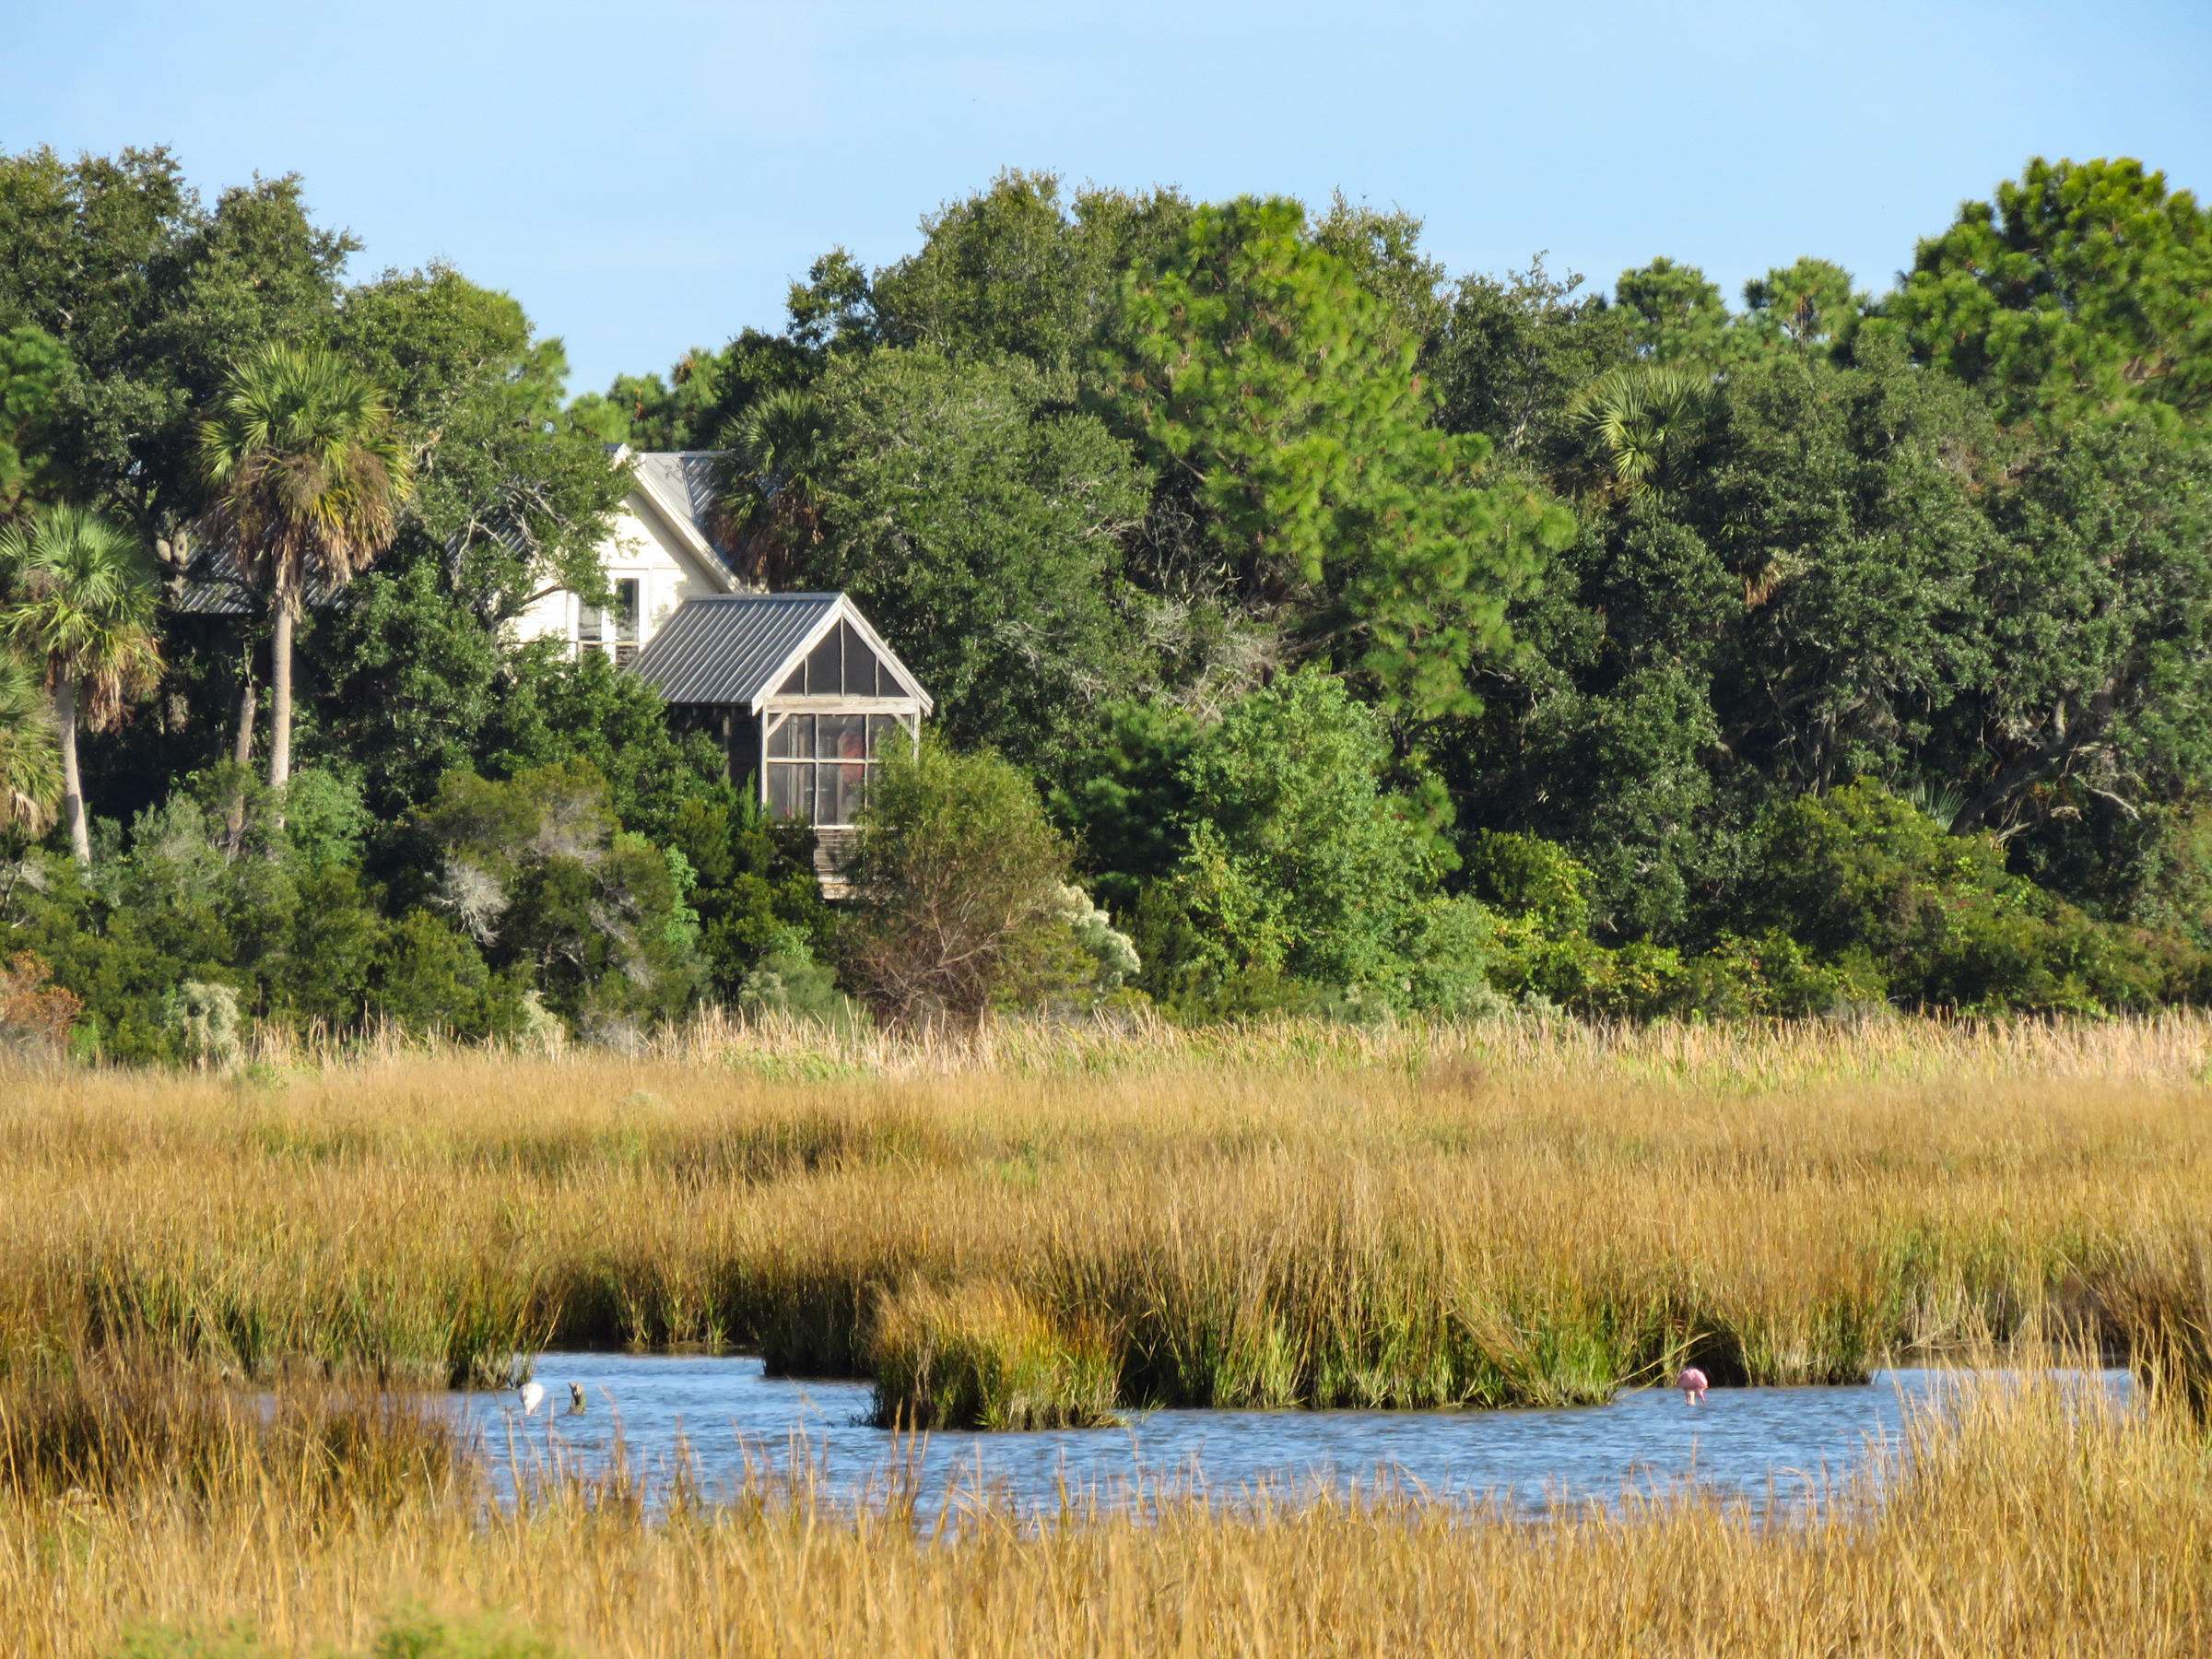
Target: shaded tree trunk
73, 782
281, 709
242, 749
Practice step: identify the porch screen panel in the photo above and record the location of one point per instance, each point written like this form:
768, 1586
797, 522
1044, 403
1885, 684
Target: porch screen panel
864, 673
825, 666
844, 788
790, 791
819, 766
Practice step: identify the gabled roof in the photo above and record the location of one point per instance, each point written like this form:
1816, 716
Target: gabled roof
681, 486
737, 649
683, 481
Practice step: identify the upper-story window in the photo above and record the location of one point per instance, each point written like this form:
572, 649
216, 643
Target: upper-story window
615, 633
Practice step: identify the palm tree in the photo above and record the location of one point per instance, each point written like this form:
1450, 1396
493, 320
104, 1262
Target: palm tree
31, 766
1644, 416
771, 507
81, 597
309, 475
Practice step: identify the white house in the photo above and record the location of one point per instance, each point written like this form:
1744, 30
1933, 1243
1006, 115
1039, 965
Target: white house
658, 554
799, 689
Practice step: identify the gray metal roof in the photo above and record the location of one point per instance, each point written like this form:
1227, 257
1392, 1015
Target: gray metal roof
727, 648
213, 585
684, 484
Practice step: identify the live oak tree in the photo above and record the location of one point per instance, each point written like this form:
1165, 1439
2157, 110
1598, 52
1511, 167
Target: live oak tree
978, 524
1846, 506
1515, 348
1018, 270
33, 368
1796, 606
153, 293
510, 499
2097, 614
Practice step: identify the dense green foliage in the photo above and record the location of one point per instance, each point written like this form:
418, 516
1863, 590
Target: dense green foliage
1307, 627
958, 889
2080, 289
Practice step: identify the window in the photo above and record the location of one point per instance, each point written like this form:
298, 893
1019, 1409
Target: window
597, 629
818, 764
626, 619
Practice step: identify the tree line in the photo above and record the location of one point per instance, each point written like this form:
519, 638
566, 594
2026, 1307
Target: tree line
1311, 627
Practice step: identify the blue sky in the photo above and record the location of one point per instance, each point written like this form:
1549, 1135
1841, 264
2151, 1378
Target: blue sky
647, 177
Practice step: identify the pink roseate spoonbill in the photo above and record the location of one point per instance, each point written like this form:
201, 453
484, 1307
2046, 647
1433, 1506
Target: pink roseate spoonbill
1692, 1385
531, 1394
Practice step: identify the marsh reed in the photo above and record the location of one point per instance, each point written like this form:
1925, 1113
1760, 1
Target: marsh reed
1283, 1214
208, 1281
2024, 1520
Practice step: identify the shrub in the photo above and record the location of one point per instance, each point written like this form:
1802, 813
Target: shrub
787, 980
1526, 875
1449, 946
755, 891
1861, 875
955, 873
1122, 798
431, 980
202, 1017
34, 1011
538, 871
1297, 853
1111, 952
1303, 882
1774, 975
586, 715
324, 945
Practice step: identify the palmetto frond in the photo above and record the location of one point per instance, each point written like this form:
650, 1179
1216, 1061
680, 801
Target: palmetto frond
308, 469
1642, 416
81, 605
1942, 802
30, 764
769, 502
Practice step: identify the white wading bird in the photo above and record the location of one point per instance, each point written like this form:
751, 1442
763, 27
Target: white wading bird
533, 1395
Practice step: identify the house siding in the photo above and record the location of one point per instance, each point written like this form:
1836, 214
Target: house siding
639, 547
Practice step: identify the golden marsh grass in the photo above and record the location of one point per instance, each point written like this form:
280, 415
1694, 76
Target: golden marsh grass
1285, 1214
1038, 1225
2024, 1522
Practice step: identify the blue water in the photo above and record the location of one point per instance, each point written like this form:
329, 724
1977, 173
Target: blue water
728, 1416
